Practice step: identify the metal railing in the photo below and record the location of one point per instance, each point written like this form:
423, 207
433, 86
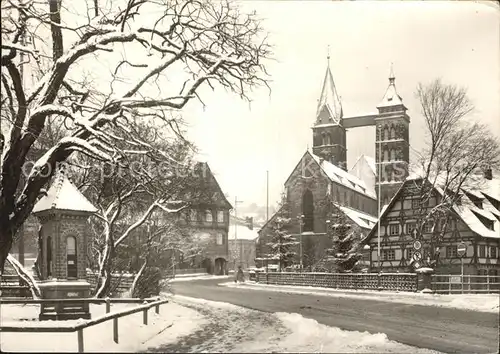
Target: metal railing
465, 284
147, 304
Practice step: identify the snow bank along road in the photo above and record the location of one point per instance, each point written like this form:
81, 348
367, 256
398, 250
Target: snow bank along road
443, 329
233, 329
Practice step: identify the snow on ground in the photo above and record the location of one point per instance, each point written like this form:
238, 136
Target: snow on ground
173, 322
189, 277
236, 329
473, 302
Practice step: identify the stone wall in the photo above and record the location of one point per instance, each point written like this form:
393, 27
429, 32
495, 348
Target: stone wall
356, 281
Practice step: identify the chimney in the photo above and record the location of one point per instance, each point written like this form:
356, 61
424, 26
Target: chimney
488, 173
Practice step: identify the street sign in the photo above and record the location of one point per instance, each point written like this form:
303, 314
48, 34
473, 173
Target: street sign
417, 256
461, 249
417, 245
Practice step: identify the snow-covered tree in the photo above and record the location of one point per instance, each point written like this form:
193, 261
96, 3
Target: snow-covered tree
346, 250
100, 66
282, 244
457, 154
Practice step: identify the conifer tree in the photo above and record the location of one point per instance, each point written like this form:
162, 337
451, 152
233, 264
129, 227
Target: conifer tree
282, 245
345, 252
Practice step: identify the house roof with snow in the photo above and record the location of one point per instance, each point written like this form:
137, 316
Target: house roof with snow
466, 210
63, 195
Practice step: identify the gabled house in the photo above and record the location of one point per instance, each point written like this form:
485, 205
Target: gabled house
474, 220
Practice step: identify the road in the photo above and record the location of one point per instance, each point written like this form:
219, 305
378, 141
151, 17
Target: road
442, 329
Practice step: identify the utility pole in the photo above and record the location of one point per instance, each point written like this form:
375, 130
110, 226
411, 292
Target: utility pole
379, 196
267, 196
240, 246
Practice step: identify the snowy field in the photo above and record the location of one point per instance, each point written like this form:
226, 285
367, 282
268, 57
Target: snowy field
235, 329
474, 302
173, 322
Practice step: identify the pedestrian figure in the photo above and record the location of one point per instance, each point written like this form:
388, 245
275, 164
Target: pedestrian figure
240, 277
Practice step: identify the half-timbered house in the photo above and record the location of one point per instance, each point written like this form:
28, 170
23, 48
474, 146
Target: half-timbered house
474, 220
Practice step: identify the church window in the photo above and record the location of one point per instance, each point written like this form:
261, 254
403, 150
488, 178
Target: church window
323, 139
386, 154
308, 211
393, 155
386, 133
392, 133
328, 139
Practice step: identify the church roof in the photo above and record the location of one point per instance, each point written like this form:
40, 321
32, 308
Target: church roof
63, 195
329, 100
367, 161
363, 220
391, 97
338, 175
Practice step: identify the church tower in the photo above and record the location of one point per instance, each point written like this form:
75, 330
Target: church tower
392, 153
329, 135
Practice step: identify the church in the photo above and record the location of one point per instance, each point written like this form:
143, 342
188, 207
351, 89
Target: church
321, 176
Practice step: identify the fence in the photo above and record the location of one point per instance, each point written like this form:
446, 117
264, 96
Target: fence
466, 284
14, 286
147, 304
355, 281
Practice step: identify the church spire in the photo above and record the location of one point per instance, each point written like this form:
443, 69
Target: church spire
329, 106
391, 97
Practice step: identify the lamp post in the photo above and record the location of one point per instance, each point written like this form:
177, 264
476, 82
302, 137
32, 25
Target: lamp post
368, 248
301, 218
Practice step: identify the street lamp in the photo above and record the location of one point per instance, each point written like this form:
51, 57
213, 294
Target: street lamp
368, 248
301, 221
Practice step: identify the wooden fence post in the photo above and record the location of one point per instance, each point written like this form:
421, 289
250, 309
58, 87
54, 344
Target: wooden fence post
108, 305
115, 330
80, 341
145, 314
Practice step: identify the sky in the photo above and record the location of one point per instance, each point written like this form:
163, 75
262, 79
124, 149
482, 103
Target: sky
455, 41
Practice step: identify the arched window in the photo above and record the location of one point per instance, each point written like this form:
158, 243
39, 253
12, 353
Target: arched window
328, 139
393, 155
392, 133
308, 211
208, 216
49, 256
71, 257
323, 139
386, 155
386, 133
